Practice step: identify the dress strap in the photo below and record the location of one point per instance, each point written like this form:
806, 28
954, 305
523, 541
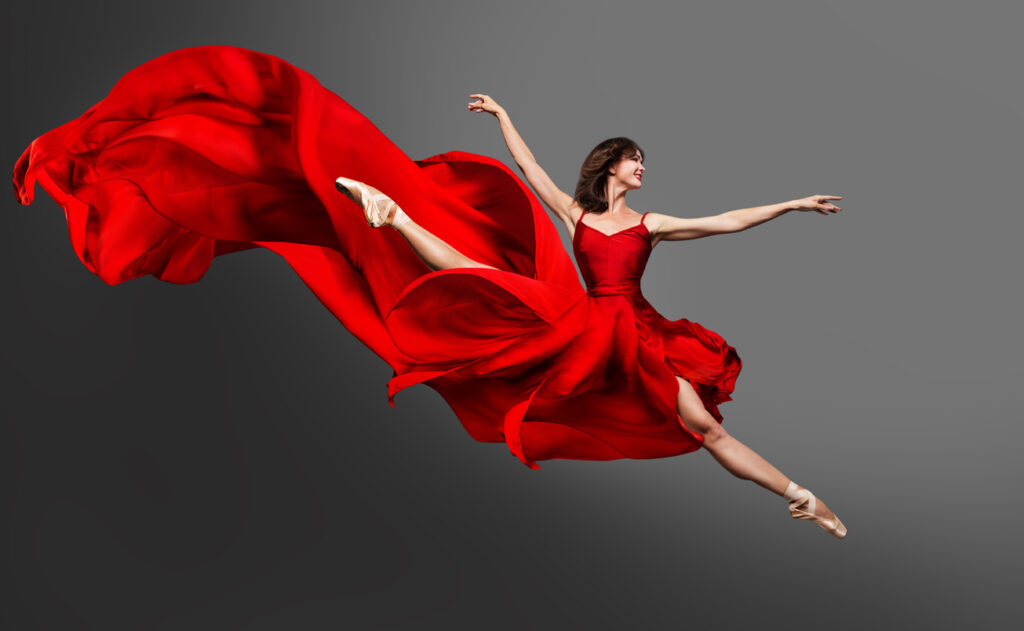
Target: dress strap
642, 217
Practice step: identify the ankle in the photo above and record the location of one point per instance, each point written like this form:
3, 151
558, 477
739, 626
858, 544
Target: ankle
792, 491
399, 218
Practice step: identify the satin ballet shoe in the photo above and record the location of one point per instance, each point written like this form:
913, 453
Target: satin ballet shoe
378, 208
798, 497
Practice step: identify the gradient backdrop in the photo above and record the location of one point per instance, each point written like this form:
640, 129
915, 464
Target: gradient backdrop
222, 456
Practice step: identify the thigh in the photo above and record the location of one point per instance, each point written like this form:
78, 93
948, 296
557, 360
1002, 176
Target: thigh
696, 417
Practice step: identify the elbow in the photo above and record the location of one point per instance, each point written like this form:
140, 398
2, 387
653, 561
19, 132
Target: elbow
731, 224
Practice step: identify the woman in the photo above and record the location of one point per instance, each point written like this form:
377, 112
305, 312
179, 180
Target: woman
211, 150
612, 169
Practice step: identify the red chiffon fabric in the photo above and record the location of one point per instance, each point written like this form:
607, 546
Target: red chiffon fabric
215, 149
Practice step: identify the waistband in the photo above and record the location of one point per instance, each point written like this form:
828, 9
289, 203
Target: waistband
613, 289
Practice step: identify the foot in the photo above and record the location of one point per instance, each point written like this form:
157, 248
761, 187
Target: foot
378, 208
804, 505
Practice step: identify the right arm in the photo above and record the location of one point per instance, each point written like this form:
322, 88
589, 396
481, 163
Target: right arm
558, 201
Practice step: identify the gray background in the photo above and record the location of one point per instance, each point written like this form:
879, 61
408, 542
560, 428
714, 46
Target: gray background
222, 455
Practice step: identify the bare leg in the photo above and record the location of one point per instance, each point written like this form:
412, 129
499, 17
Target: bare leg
435, 253
740, 460
381, 210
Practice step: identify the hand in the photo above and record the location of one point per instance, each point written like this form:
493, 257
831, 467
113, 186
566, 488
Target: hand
484, 104
817, 203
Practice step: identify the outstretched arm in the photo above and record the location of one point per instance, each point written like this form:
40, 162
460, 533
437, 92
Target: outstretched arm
668, 228
557, 200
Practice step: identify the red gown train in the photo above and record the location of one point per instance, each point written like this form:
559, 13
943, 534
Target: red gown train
215, 149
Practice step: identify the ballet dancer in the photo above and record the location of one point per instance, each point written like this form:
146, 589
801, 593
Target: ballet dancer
613, 168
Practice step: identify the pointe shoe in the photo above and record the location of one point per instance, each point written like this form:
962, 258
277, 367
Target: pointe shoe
378, 208
802, 496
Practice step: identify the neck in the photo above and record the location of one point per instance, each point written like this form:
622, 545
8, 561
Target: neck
616, 199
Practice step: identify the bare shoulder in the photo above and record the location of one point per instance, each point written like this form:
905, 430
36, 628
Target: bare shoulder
571, 216
652, 220
653, 223
573, 212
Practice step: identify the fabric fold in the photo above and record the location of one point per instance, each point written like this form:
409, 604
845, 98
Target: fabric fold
213, 150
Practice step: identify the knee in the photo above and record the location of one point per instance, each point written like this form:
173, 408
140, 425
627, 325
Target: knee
701, 422
696, 417
714, 433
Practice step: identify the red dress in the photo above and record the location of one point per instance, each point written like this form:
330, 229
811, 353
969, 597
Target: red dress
214, 149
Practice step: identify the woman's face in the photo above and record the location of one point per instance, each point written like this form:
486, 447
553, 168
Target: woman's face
629, 170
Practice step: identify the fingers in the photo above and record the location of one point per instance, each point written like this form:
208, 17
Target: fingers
482, 103
477, 107
822, 207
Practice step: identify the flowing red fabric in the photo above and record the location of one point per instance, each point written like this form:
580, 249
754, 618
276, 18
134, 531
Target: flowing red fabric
215, 149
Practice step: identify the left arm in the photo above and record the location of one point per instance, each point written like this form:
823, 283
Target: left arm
668, 228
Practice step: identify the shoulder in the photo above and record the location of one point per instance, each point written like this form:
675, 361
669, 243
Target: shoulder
653, 223
652, 220
573, 212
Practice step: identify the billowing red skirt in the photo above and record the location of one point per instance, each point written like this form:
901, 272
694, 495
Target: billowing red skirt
215, 149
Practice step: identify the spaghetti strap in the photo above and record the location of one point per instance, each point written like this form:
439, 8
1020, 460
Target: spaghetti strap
642, 218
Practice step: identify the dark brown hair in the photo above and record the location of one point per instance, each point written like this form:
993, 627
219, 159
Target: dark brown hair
590, 189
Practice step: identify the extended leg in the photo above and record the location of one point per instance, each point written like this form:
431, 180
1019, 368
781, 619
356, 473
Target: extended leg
381, 210
740, 460
435, 253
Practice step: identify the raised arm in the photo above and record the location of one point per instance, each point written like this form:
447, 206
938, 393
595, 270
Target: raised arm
668, 228
557, 200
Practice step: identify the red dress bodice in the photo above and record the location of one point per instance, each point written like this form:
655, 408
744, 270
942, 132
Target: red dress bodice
612, 264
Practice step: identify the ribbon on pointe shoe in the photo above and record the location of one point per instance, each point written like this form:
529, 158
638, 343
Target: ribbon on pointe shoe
378, 207
797, 497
